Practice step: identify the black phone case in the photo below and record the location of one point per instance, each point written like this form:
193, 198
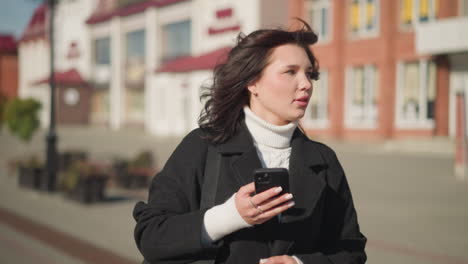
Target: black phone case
266, 178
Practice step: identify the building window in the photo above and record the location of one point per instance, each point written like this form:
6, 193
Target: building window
136, 44
361, 97
417, 11
102, 51
317, 111
320, 18
135, 59
364, 16
177, 40
416, 94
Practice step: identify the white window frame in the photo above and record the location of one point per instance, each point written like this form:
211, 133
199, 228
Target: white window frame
422, 122
415, 21
321, 123
371, 75
318, 5
363, 32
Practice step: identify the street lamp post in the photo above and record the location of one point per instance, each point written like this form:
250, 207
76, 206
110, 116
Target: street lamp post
51, 135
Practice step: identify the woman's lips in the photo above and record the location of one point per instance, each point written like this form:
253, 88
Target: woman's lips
302, 101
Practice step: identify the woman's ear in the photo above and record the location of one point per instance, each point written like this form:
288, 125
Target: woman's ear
253, 88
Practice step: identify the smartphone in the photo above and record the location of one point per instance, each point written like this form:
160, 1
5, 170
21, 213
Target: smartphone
266, 178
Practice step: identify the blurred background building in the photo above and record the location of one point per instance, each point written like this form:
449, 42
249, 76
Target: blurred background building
389, 69
8, 66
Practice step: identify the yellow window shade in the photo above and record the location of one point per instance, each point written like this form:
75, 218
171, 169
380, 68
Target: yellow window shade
423, 8
355, 15
407, 11
370, 13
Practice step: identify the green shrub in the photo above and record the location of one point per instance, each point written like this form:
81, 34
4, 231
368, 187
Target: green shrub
21, 117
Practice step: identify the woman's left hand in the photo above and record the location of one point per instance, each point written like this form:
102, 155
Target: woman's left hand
284, 259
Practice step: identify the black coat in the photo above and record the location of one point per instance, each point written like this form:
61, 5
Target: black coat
321, 228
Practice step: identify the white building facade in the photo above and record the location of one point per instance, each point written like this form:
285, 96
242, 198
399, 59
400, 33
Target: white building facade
144, 61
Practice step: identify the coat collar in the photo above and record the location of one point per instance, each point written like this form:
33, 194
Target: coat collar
305, 180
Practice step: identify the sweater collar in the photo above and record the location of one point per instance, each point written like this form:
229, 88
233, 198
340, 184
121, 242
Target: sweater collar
264, 133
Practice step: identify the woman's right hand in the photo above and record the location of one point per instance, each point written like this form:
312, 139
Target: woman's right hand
261, 207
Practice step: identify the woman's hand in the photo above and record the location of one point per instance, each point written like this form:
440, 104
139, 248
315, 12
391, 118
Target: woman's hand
261, 207
284, 259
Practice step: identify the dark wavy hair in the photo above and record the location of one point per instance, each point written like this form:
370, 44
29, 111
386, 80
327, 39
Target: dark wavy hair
228, 94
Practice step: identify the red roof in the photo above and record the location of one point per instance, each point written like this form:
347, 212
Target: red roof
7, 44
98, 16
36, 27
205, 61
70, 77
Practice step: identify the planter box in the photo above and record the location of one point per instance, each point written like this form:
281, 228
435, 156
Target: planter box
89, 189
133, 178
30, 177
68, 157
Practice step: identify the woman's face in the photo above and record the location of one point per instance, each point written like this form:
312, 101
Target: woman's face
283, 91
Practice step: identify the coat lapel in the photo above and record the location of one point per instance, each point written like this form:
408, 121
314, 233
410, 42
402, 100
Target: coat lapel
244, 166
244, 158
306, 181
306, 184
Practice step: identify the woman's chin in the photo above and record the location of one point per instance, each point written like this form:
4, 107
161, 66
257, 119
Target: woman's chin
297, 115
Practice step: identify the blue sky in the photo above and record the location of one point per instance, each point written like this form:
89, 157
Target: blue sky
15, 15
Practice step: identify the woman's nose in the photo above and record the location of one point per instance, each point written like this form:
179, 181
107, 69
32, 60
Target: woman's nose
305, 83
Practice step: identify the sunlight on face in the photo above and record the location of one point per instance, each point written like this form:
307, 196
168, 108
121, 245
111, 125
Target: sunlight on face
282, 93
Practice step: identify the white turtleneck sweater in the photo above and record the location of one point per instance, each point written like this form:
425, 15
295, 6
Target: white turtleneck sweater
273, 144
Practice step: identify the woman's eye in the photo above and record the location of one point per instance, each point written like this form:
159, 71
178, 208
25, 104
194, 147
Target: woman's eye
291, 72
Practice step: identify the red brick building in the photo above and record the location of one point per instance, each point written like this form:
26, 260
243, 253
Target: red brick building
374, 82
8, 66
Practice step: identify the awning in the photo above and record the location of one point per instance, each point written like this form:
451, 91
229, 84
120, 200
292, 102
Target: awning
98, 16
205, 61
70, 77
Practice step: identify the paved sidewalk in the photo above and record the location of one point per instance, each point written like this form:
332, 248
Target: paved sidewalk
17, 247
30, 240
410, 206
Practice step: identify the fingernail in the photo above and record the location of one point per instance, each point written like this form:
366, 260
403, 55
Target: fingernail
279, 189
263, 260
291, 204
288, 196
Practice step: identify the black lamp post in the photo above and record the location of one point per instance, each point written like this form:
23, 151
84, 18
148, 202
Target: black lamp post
51, 135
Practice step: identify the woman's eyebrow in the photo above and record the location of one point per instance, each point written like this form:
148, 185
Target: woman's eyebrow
295, 66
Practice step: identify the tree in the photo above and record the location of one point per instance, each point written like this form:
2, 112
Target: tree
21, 117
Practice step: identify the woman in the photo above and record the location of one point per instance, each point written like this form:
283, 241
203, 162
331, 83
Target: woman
250, 120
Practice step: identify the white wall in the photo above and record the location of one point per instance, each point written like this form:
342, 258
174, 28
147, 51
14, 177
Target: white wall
70, 26
175, 99
246, 13
34, 66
